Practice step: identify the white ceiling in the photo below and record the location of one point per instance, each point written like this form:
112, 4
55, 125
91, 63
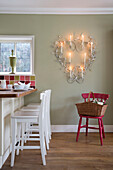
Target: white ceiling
57, 6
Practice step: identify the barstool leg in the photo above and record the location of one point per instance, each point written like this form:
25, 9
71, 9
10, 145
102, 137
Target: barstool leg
42, 146
47, 141
13, 126
100, 130
46, 134
18, 136
86, 126
22, 141
79, 126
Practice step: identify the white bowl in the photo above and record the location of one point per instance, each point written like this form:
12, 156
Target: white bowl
20, 87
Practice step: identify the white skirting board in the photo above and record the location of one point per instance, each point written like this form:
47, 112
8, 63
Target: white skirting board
73, 128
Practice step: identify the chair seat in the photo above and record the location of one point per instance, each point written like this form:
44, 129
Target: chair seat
25, 114
93, 117
30, 108
34, 104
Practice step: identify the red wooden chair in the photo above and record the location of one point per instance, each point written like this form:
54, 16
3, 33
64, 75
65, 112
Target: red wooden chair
98, 96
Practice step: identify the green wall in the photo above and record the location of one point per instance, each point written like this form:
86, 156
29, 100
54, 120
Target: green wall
46, 28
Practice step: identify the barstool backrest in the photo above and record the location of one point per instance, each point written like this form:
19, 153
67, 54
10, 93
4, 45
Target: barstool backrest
48, 95
42, 111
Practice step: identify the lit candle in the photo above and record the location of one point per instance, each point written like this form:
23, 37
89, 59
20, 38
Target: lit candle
70, 57
61, 47
70, 39
84, 59
70, 71
82, 72
82, 41
91, 48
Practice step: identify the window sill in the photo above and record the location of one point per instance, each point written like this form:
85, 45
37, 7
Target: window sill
17, 74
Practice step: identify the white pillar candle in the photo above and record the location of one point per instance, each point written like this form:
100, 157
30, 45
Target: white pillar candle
84, 59
82, 41
61, 47
91, 48
70, 40
82, 72
70, 57
70, 71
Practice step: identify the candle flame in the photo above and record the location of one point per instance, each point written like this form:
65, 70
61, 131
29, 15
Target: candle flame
85, 54
70, 68
82, 35
61, 43
70, 37
82, 68
70, 54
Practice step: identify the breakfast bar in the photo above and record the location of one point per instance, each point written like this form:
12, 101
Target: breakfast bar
9, 102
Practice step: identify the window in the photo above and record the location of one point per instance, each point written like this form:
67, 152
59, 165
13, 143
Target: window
23, 47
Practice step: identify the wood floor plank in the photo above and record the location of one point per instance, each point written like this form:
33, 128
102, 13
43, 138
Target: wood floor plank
66, 154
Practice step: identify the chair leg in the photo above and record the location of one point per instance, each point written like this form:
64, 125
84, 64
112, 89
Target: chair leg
13, 125
46, 132
18, 137
42, 146
86, 126
100, 130
79, 126
22, 141
47, 139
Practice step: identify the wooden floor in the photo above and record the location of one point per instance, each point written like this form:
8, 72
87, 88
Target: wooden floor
66, 154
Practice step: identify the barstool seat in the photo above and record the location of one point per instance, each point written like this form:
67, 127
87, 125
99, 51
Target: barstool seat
34, 104
30, 108
25, 114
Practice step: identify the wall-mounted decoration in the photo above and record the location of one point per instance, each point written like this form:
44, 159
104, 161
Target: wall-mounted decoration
76, 55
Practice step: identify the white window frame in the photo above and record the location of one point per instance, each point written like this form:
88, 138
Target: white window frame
17, 38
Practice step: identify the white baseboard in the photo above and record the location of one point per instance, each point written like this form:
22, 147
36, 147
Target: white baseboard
73, 128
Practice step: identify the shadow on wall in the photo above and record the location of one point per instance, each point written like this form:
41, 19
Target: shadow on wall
109, 75
109, 60
66, 112
33, 98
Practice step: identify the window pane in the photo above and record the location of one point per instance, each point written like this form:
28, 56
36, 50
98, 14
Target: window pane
23, 57
5, 52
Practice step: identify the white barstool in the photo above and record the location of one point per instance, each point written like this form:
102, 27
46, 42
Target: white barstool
36, 107
28, 117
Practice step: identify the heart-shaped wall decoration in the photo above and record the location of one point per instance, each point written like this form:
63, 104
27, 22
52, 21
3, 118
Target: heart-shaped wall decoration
76, 55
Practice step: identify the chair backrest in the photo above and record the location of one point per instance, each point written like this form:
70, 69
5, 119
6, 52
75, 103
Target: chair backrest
42, 112
48, 93
98, 96
48, 121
